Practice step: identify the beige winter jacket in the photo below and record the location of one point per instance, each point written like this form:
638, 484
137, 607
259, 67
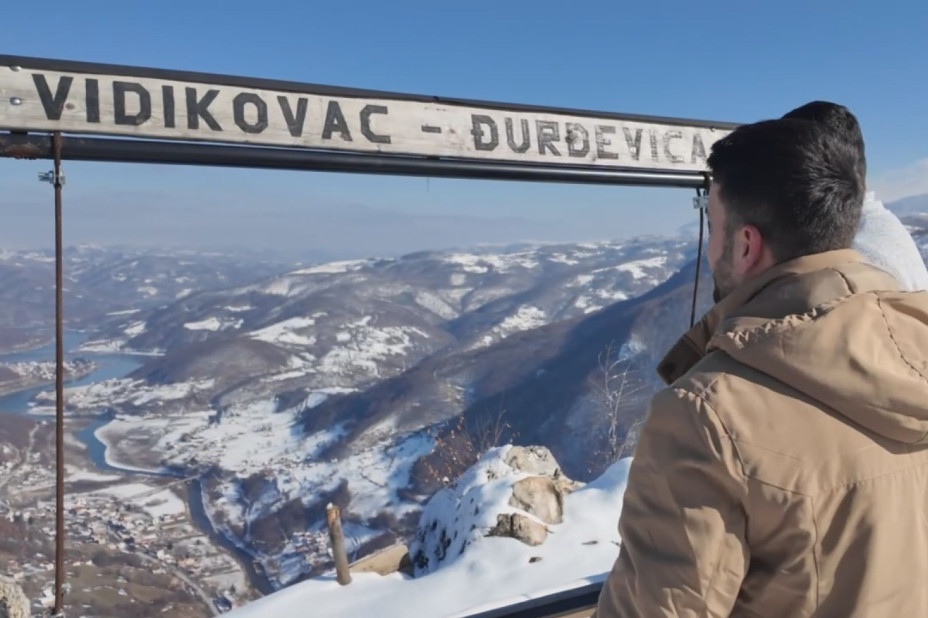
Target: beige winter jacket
784, 471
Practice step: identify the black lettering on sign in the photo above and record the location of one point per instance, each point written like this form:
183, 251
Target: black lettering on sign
335, 121
238, 111
548, 132
478, 121
669, 135
601, 142
120, 114
699, 149
634, 145
366, 123
53, 104
167, 98
294, 121
92, 96
577, 133
199, 108
653, 136
510, 137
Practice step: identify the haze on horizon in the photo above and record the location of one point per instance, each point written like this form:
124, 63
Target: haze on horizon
167, 206
332, 216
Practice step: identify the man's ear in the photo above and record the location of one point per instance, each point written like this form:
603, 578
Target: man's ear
750, 250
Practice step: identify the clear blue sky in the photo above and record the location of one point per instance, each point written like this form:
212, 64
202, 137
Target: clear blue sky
731, 61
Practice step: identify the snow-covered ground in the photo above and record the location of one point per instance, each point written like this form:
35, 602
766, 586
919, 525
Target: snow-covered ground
248, 438
211, 324
482, 263
332, 268
637, 267
76, 474
41, 371
283, 332
491, 572
364, 347
99, 395
103, 345
525, 318
155, 501
136, 328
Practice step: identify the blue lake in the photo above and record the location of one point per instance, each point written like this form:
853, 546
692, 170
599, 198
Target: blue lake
109, 365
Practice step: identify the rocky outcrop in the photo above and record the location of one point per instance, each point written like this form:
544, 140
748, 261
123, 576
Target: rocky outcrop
520, 527
512, 491
539, 496
13, 601
533, 460
540, 461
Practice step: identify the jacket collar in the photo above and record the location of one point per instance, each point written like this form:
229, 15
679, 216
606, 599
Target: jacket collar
691, 347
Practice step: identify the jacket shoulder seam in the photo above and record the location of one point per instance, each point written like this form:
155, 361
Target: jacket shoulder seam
700, 394
875, 477
741, 474
816, 555
892, 337
845, 280
738, 475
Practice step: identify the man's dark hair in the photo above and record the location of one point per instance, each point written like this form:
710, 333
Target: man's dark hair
795, 180
836, 118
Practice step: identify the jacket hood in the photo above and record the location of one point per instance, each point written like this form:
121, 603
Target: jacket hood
844, 336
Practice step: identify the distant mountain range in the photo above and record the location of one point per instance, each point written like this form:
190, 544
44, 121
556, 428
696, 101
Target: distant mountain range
99, 281
913, 205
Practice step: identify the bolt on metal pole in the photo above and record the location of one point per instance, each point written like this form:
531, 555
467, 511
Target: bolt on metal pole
59, 387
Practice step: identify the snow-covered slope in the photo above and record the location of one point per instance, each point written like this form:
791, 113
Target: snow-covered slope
917, 224
353, 388
491, 571
479, 297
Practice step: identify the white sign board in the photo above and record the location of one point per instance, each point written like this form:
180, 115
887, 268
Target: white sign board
166, 109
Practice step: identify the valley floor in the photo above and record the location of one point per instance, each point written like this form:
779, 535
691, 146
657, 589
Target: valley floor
132, 545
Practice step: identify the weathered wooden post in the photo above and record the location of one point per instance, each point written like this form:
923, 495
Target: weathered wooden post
337, 539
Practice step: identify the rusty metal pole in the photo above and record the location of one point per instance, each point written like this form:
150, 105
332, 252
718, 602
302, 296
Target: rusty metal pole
337, 538
59, 387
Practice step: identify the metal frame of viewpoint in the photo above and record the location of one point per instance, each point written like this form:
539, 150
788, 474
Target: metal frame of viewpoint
65, 110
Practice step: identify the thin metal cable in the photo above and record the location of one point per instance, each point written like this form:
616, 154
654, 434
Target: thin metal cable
59, 388
702, 214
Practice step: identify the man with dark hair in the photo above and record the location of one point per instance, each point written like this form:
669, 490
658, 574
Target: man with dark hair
798, 195
839, 120
881, 236
784, 470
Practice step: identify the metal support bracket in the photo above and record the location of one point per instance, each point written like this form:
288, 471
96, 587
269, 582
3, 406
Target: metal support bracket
51, 178
701, 201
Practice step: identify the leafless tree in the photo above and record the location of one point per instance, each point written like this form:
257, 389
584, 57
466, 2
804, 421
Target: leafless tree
616, 386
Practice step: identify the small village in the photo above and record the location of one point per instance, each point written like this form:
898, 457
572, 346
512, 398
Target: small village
119, 533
